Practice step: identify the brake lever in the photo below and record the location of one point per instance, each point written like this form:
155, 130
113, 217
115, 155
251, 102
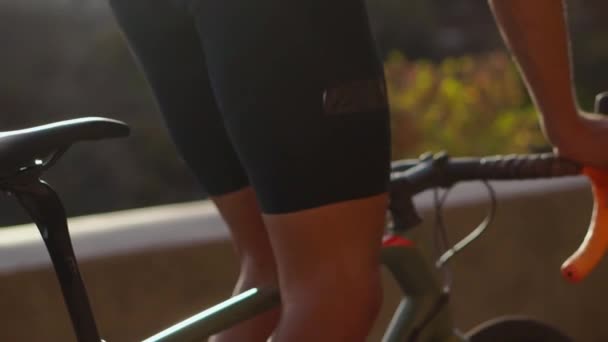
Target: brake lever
595, 244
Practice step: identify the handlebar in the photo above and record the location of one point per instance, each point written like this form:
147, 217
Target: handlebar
440, 170
410, 177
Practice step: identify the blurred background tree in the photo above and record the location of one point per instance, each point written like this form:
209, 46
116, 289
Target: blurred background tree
451, 85
467, 105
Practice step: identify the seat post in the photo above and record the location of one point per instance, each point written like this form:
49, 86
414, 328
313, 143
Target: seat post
47, 211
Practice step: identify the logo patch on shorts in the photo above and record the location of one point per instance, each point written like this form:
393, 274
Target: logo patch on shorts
355, 97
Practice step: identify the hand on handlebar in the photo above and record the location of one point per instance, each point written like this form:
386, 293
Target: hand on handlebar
584, 141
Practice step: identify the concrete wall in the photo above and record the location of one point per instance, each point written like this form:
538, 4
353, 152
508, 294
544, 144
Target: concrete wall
148, 268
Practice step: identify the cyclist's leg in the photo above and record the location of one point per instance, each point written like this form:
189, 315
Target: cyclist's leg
303, 99
328, 260
165, 42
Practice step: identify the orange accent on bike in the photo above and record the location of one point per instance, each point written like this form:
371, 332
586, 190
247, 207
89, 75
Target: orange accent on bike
595, 244
395, 240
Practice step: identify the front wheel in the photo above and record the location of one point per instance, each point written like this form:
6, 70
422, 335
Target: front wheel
516, 329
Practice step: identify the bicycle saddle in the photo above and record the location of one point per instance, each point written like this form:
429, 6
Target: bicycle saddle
20, 148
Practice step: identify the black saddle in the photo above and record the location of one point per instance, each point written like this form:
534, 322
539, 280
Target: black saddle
21, 148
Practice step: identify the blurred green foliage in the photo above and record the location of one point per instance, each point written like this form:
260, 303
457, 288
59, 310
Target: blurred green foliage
465, 105
437, 29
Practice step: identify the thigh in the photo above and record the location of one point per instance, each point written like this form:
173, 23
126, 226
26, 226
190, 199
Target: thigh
303, 97
165, 42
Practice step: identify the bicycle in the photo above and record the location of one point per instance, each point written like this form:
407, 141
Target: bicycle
422, 315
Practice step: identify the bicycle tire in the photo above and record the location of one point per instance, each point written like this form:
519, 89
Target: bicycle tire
516, 329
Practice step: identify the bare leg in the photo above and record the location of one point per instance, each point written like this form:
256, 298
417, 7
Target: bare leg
329, 270
250, 240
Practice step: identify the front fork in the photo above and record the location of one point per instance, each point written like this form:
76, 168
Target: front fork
423, 314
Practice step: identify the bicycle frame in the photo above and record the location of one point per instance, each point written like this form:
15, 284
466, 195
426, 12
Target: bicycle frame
422, 315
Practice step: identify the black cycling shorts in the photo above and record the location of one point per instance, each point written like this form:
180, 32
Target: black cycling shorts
285, 95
